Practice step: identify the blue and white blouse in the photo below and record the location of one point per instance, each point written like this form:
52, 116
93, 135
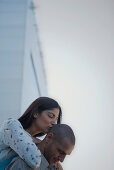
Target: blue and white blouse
14, 138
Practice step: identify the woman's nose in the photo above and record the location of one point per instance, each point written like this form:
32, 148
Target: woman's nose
53, 122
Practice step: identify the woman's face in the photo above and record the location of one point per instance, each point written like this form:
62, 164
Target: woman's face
47, 119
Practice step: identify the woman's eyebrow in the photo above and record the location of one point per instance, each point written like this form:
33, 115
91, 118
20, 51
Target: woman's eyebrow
51, 113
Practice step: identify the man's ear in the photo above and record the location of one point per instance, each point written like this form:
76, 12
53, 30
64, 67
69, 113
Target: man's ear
49, 137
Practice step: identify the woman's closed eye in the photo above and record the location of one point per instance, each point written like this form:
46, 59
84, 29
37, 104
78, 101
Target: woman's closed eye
51, 115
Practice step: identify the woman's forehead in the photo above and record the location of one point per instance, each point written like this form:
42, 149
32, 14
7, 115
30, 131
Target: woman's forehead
54, 111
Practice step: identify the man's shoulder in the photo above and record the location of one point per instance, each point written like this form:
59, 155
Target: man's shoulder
45, 165
18, 164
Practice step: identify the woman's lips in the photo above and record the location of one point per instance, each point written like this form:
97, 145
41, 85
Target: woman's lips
49, 127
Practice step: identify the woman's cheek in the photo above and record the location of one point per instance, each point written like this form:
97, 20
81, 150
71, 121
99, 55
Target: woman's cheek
47, 120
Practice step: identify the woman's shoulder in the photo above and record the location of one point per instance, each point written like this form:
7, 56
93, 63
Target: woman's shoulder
10, 120
11, 123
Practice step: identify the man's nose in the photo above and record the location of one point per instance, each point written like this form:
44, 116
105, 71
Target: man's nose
61, 158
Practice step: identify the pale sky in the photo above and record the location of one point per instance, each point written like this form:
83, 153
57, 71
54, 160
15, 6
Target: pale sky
76, 41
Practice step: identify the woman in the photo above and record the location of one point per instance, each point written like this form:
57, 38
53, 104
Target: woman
17, 135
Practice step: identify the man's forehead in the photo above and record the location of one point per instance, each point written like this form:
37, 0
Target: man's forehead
66, 145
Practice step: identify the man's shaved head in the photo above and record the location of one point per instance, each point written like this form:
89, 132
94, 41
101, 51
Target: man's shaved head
62, 131
58, 143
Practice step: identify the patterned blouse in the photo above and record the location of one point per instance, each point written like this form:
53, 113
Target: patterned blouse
13, 136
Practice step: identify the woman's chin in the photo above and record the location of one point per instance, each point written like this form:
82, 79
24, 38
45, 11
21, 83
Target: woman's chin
47, 129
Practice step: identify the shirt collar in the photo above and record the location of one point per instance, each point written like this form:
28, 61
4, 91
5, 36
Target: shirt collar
44, 161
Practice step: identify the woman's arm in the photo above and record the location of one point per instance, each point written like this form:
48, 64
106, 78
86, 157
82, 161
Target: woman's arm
21, 142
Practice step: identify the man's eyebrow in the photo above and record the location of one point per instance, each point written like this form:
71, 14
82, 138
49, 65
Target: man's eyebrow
62, 151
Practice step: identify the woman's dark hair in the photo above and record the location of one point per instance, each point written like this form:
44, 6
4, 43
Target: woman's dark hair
38, 106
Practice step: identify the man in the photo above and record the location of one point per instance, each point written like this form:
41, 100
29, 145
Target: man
58, 143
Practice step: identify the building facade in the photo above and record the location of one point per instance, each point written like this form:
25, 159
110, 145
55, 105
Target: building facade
22, 74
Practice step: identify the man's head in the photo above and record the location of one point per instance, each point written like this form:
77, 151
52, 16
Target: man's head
59, 142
